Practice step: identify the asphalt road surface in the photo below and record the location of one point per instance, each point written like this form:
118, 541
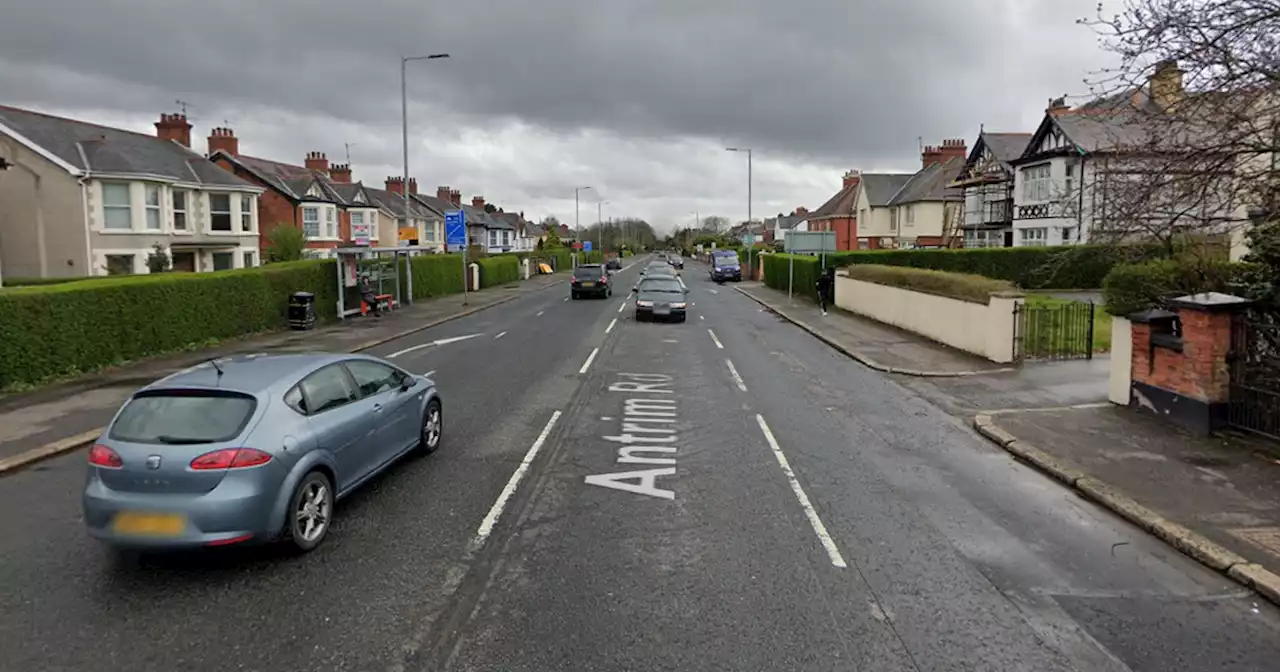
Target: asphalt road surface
723, 494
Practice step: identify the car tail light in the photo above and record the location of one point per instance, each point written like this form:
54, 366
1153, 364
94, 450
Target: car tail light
230, 458
604, 279
102, 456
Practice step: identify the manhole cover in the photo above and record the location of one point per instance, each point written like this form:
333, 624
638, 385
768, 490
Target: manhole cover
1266, 538
1206, 461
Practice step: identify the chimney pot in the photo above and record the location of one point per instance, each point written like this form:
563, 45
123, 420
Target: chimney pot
317, 162
222, 139
340, 172
174, 127
950, 148
477, 202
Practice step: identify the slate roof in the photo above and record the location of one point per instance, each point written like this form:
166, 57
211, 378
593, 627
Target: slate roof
882, 187
393, 202
506, 220
101, 149
1005, 146
435, 205
931, 184
293, 181
840, 205
784, 222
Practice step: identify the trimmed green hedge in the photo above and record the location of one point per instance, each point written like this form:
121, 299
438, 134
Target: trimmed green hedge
776, 270
498, 270
963, 286
1130, 288
436, 275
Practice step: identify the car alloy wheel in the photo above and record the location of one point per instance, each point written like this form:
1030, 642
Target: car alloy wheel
432, 428
311, 512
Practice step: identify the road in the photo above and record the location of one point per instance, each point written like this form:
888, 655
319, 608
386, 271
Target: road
723, 494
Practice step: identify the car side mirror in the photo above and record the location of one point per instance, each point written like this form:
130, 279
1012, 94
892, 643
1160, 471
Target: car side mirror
636, 288
406, 384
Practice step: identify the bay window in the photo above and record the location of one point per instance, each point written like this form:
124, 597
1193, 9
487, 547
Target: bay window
179, 210
246, 213
311, 222
117, 212
330, 222
220, 212
152, 192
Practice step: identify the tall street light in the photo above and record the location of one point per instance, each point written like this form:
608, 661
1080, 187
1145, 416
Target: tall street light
577, 211
750, 234
404, 126
600, 221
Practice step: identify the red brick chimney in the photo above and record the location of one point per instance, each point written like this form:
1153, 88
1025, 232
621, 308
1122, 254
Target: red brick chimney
948, 149
317, 162
801, 211
852, 178
455, 197
1057, 106
174, 127
340, 172
477, 202
444, 193
223, 140
413, 185
395, 185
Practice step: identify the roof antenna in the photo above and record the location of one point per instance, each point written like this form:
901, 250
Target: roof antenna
183, 104
217, 367
348, 146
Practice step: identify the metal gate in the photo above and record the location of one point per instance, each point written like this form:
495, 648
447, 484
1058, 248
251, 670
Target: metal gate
1254, 396
1053, 332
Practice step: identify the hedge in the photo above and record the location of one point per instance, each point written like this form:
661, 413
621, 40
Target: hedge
436, 275
963, 286
1130, 288
777, 267
498, 270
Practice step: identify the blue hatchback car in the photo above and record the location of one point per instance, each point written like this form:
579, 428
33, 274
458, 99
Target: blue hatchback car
253, 448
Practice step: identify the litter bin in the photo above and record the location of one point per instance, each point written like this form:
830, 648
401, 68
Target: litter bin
302, 310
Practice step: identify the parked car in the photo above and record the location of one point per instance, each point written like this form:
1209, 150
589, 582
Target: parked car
255, 448
661, 298
590, 280
613, 264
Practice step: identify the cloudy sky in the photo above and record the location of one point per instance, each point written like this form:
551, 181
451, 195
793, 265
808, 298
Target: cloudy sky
635, 98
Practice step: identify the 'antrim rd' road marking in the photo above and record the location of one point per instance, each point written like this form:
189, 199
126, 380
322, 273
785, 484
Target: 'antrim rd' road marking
644, 437
499, 335
713, 337
733, 371
590, 358
610, 327
486, 525
809, 512
443, 341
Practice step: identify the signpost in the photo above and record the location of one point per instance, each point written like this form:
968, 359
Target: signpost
586, 246
749, 239
807, 242
455, 236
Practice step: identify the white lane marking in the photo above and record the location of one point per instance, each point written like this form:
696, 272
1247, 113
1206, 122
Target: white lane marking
700, 317
809, 512
486, 525
713, 291
590, 358
610, 327
430, 373
713, 337
443, 341
499, 335
622, 307
566, 298
540, 312
733, 371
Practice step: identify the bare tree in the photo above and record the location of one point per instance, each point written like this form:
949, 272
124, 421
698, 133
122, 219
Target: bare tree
715, 223
1187, 125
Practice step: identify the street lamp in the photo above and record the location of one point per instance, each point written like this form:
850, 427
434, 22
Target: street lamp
404, 126
577, 211
600, 221
750, 233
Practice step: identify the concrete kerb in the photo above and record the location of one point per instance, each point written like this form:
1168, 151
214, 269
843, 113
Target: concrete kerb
1190, 543
859, 357
55, 448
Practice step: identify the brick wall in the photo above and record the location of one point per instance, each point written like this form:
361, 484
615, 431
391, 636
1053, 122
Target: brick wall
1200, 371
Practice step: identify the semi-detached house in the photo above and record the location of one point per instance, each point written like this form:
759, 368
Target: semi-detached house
81, 199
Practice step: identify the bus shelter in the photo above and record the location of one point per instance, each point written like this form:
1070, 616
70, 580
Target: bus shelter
387, 269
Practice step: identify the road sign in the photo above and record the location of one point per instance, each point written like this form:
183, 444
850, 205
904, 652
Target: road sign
577, 245
748, 239
586, 246
455, 229
811, 242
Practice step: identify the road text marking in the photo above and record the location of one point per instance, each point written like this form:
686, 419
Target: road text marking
809, 512
443, 341
645, 440
590, 358
610, 327
486, 525
733, 371
499, 335
713, 337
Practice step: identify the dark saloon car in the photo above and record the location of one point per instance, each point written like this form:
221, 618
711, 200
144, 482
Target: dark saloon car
590, 280
660, 298
614, 264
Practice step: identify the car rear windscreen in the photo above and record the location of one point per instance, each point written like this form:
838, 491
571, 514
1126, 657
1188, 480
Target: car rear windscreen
183, 417
588, 272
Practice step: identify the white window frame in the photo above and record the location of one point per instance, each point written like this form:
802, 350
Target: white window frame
429, 232
373, 225
506, 239
1069, 180
1034, 236
249, 258
180, 213
126, 208
246, 213
493, 238
152, 198
311, 210
132, 256
330, 222
911, 215
1036, 181
214, 213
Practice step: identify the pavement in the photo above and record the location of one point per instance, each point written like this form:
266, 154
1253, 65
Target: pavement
729, 493
1217, 499
41, 421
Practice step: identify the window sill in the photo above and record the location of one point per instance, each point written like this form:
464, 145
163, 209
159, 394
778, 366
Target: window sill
211, 232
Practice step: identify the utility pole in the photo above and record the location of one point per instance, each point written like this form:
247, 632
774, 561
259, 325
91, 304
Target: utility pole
577, 215
404, 138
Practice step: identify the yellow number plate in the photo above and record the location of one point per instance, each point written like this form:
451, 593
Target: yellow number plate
152, 524
588, 284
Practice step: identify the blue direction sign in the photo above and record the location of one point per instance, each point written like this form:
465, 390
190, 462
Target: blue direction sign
455, 229
586, 246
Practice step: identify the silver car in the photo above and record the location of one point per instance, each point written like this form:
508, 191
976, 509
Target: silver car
253, 448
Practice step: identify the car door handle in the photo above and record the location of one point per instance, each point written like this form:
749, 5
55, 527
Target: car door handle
377, 408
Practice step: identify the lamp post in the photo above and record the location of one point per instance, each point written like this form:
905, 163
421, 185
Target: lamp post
404, 129
600, 221
750, 234
577, 212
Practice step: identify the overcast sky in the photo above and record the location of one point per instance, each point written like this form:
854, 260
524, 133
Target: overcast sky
636, 98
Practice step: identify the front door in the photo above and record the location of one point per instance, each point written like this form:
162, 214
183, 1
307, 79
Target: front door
395, 415
341, 421
184, 261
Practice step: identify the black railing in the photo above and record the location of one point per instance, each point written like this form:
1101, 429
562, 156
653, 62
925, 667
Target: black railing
1056, 331
1254, 396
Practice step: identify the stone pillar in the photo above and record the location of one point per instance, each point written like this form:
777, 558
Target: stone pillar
474, 277
1179, 360
1120, 380
1002, 310
524, 268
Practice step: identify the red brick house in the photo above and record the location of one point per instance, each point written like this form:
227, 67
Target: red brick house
838, 214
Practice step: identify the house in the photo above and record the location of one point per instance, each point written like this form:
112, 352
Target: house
776, 228
875, 192
838, 214
80, 199
926, 211
987, 180
482, 229
424, 226
525, 234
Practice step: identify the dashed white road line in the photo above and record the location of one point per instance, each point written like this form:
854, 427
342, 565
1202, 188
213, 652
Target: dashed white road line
611, 324
737, 379
430, 373
622, 307
717, 340
540, 312
700, 317
590, 358
500, 335
566, 298
713, 291
486, 525
811, 513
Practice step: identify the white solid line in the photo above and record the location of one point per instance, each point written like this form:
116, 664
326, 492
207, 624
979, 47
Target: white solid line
733, 371
713, 337
809, 512
610, 327
486, 525
590, 358
622, 307
540, 312
499, 335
